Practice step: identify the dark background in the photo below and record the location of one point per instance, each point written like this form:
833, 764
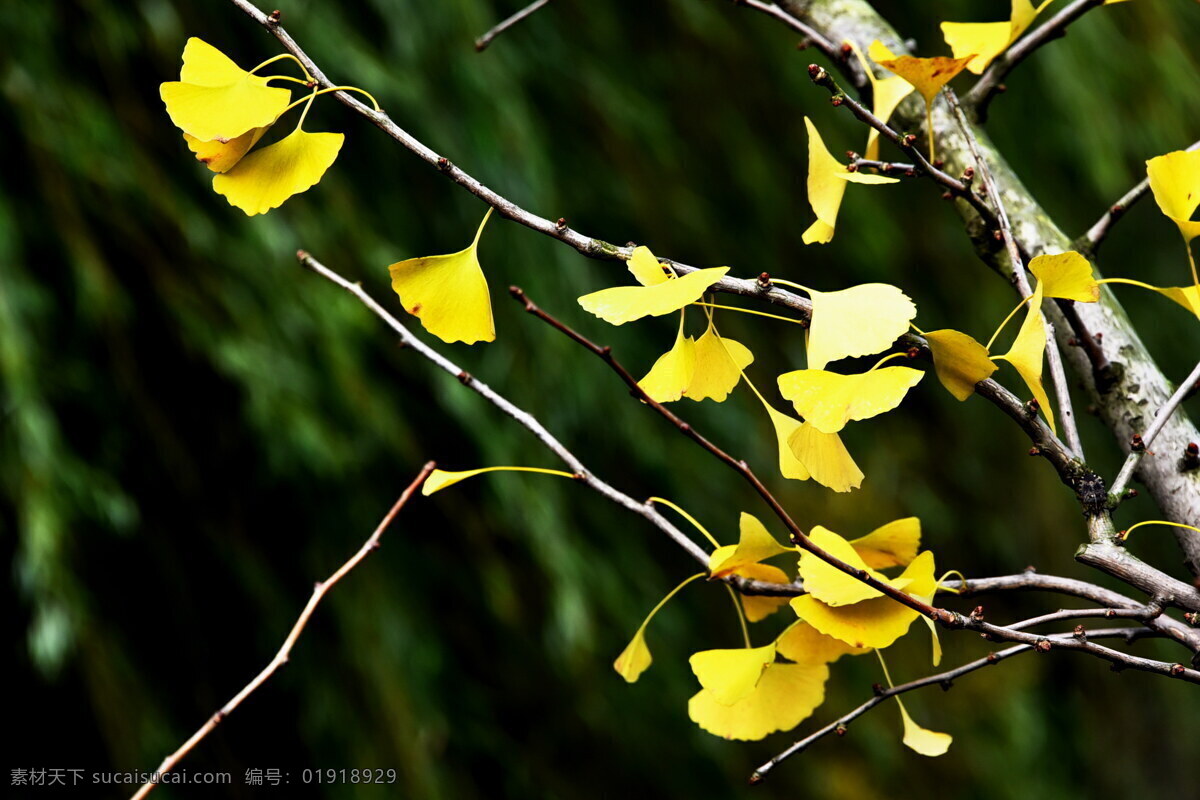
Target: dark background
193, 429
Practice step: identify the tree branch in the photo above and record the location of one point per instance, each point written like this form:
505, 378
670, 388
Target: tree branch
944, 679
991, 82
1053, 356
1090, 242
798, 537
281, 657
1141, 444
483, 41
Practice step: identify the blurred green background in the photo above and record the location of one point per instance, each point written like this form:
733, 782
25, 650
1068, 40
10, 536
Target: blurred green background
193, 429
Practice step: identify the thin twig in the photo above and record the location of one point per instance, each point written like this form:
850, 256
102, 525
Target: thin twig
1090, 242
891, 168
944, 679
798, 536
811, 36
907, 144
527, 420
986, 88
281, 657
483, 41
1141, 445
1053, 356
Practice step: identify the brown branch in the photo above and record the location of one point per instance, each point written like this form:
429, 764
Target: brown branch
834, 52
991, 82
483, 41
1090, 242
1053, 357
281, 657
798, 537
943, 679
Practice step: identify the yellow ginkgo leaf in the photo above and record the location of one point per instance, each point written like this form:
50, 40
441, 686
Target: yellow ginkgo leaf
448, 293
1027, 351
877, 622
622, 304
986, 40
785, 428
960, 361
216, 99
672, 372
221, 155
758, 607
927, 75
828, 400
719, 365
827, 583
785, 696
755, 544
267, 177
886, 94
441, 479
646, 268
804, 644
1175, 181
827, 178
825, 458
1067, 275
892, 545
858, 321
730, 675
635, 658
925, 742
1186, 296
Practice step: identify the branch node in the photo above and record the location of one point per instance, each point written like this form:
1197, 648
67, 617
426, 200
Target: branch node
274, 17
464, 377
1043, 646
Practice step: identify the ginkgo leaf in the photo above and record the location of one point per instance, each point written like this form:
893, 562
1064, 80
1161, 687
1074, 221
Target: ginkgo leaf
877, 622
827, 583
986, 40
1067, 275
892, 545
673, 371
622, 304
886, 94
959, 361
828, 400
827, 178
824, 457
1027, 351
1186, 296
267, 177
646, 268
785, 428
858, 321
221, 155
441, 479
804, 644
758, 607
216, 99
925, 742
448, 293
635, 658
755, 544
927, 75
1175, 182
785, 696
719, 365
730, 675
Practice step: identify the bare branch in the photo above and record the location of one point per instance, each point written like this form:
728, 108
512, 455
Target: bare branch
986, 88
811, 36
281, 657
943, 679
1090, 242
483, 41
1053, 356
1141, 444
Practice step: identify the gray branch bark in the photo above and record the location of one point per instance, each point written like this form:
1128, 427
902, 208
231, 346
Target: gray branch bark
1131, 386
